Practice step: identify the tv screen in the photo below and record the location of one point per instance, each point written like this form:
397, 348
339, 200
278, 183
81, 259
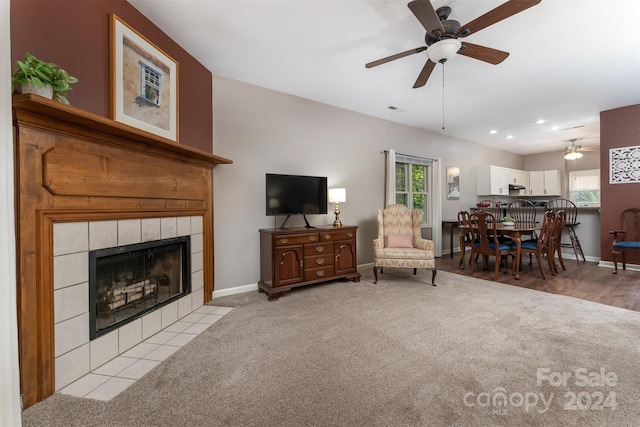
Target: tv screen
296, 195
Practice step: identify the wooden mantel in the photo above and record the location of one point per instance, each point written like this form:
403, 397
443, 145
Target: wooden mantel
71, 165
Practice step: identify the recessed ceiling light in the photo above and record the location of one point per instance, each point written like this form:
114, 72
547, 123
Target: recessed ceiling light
539, 122
493, 132
509, 136
554, 128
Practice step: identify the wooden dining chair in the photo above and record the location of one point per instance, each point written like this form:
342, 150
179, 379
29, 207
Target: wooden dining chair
484, 229
556, 243
542, 244
466, 236
571, 223
627, 237
492, 207
522, 210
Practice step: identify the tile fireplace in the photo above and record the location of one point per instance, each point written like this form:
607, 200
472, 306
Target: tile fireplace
80, 344
125, 282
100, 184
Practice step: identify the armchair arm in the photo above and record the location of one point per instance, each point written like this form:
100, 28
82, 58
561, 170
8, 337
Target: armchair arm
618, 235
378, 244
425, 244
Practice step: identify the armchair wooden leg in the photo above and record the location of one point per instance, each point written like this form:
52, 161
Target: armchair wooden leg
375, 274
415, 271
433, 277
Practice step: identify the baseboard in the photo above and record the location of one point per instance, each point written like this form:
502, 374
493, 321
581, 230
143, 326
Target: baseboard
233, 291
609, 264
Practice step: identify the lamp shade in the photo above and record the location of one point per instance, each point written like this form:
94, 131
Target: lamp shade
337, 195
443, 50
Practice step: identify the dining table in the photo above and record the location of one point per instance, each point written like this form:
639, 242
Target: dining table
515, 232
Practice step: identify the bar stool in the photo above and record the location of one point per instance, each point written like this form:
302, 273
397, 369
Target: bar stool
571, 222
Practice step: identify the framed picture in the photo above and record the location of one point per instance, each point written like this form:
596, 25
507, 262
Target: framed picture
144, 82
453, 183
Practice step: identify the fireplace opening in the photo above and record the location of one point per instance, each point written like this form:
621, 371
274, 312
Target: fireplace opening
126, 282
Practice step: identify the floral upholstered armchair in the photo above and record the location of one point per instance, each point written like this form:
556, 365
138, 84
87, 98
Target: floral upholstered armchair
399, 242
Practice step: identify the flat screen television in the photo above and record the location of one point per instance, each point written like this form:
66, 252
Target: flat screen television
295, 195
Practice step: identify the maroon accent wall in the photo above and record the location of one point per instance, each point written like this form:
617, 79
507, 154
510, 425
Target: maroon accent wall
75, 35
618, 128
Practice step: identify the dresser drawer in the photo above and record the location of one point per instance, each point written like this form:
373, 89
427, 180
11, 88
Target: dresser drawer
337, 235
318, 249
318, 273
295, 239
318, 261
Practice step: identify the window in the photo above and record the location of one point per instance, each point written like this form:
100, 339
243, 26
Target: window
413, 185
150, 84
584, 187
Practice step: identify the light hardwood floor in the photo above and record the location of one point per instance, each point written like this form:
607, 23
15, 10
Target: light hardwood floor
583, 280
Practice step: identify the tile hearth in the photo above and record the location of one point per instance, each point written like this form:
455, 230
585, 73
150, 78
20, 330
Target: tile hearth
113, 377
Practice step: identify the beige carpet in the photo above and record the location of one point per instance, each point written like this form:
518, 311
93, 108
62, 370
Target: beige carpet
399, 353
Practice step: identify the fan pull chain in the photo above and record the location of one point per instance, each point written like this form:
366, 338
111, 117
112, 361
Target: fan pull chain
443, 96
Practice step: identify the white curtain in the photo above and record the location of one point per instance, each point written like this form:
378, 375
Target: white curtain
436, 231
390, 178
10, 408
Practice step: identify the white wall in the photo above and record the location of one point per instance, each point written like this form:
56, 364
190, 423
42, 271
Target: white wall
266, 131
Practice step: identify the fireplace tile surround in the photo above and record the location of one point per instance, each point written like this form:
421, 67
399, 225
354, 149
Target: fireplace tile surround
75, 355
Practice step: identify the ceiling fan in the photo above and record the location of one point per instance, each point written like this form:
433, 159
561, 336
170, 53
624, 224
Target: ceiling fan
443, 34
574, 152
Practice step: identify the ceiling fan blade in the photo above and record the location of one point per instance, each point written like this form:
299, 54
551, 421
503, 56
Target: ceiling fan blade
424, 74
483, 53
423, 10
501, 12
396, 56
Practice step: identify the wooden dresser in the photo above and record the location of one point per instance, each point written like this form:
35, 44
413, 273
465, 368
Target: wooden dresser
302, 256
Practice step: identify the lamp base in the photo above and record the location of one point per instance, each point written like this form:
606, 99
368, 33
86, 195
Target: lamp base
337, 222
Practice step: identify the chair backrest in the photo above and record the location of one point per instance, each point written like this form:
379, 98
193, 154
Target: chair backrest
523, 211
630, 222
464, 221
485, 231
547, 232
399, 220
492, 207
567, 206
558, 227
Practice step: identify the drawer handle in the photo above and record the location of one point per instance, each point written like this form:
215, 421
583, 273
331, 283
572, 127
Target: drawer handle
300, 263
320, 273
284, 240
319, 248
320, 261
327, 236
350, 234
312, 238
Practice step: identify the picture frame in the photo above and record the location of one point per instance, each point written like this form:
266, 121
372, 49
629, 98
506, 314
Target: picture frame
144, 82
453, 183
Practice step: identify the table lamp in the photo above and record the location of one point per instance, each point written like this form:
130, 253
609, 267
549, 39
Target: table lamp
337, 195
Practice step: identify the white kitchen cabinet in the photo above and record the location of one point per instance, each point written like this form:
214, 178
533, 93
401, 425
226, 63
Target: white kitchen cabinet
495, 180
492, 181
544, 183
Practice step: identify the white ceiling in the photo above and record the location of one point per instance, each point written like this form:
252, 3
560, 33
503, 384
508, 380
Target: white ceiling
569, 60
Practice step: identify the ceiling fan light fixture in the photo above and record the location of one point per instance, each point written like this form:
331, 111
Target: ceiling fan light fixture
572, 152
574, 155
443, 50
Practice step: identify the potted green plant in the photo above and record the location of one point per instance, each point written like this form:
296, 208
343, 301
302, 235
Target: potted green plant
43, 78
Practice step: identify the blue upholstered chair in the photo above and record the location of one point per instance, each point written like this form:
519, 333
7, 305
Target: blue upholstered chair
628, 237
